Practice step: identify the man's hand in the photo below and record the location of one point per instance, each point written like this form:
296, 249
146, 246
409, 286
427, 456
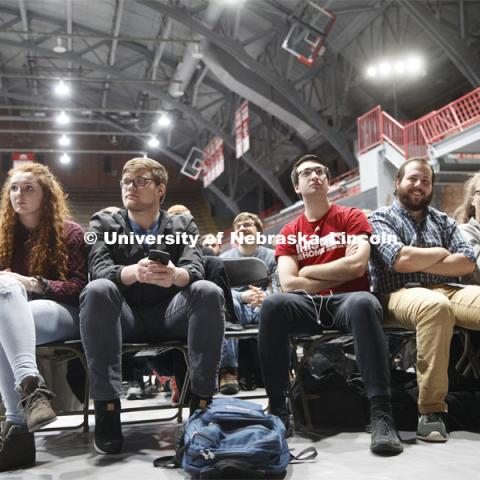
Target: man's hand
254, 296
155, 273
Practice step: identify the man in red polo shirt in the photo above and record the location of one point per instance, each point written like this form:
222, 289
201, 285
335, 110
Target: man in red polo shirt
322, 263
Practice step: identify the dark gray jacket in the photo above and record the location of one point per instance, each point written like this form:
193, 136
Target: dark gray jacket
107, 261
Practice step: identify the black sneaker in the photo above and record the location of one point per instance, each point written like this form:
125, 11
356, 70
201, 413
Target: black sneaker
108, 427
284, 415
385, 439
17, 447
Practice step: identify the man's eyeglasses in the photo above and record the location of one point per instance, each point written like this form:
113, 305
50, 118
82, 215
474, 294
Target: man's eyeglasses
238, 226
138, 182
307, 172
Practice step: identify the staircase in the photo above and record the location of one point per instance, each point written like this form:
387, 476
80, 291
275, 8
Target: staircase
449, 138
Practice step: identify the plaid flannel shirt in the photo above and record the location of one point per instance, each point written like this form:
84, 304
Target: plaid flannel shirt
436, 229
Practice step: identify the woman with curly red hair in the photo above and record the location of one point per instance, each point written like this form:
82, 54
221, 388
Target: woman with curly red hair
42, 272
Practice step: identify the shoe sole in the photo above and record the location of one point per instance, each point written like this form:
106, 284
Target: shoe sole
39, 426
102, 452
229, 390
433, 437
386, 449
135, 397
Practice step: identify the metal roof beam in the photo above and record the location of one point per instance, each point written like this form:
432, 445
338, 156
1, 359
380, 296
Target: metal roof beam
465, 59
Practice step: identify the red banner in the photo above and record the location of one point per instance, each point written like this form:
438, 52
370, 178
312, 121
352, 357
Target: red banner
213, 161
242, 133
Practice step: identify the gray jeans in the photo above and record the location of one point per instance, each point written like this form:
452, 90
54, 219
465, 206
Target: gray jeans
23, 325
196, 314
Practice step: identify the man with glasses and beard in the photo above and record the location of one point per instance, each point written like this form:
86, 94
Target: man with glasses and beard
324, 277
415, 274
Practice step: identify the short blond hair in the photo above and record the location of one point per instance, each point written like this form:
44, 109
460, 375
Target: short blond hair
178, 209
158, 171
241, 217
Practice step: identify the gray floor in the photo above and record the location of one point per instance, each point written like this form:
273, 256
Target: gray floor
69, 456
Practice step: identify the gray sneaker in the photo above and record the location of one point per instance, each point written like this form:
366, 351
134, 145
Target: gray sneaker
431, 428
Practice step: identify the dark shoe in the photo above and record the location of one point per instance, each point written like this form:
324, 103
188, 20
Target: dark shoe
36, 403
431, 428
247, 382
229, 381
197, 403
17, 447
284, 415
385, 439
108, 427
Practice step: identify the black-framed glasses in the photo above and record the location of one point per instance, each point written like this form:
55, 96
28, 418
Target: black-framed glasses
248, 224
138, 182
307, 172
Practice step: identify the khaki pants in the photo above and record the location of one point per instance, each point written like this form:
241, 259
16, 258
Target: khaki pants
433, 311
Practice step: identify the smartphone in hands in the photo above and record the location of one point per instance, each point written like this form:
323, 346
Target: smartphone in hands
159, 256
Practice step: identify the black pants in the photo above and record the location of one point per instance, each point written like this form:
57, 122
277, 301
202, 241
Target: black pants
360, 313
195, 313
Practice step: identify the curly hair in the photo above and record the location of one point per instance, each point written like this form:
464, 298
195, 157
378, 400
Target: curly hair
48, 245
466, 210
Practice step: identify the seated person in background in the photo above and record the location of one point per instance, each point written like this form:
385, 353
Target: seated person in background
415, 272
325, 278
210, 245
43, 271
247, 300
468, 218
134, 299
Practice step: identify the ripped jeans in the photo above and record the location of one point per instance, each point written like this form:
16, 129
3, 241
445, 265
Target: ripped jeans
24, 324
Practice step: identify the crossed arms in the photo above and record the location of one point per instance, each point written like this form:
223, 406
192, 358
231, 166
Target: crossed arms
316, 278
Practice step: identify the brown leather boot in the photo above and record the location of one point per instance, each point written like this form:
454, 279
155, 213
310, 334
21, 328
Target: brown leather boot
36, 402
17, 447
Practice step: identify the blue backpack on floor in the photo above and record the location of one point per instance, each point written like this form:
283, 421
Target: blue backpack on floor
233, 438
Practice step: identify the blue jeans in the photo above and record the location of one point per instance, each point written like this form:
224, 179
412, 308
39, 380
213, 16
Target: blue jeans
23, 325
246, 315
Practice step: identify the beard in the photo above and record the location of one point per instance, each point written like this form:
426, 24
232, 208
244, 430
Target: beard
412, 203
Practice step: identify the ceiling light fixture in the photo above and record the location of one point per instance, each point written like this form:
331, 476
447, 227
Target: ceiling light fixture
65, 159
197, 51
396, 68
64, 141
164, 120
62, 89
62, 118
59, 47
154, 142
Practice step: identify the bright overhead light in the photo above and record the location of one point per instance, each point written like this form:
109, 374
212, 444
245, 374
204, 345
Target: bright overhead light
65, 159
154, 142
415, 65
62, 118
399, 66
64, 141
164, 120
385, 69
62, 89
59, 47
177, 91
